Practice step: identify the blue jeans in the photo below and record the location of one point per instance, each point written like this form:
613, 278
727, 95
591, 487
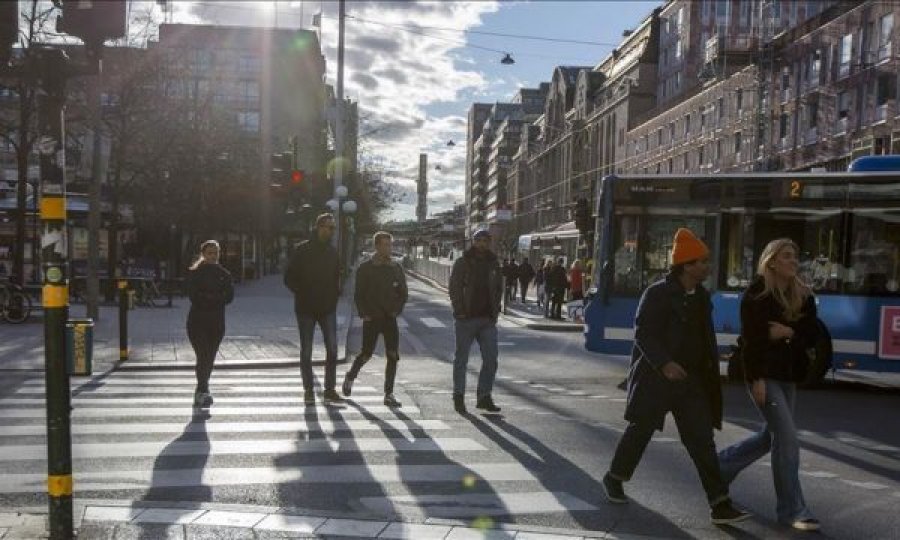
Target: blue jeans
483, 329
780, 436
328, 325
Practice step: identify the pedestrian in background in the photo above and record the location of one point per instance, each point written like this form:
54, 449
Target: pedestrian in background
558, 283
526, 274
511, 280
475, 292
540, 277
576, 281
380, 295
778, 327
313, 276
675, 368
209, 287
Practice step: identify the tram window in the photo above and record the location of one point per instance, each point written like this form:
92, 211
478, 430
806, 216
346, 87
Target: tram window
626, 278
819, 239
874, 262
657, 245
736, 261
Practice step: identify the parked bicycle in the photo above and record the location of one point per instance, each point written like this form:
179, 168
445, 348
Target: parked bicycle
15, 304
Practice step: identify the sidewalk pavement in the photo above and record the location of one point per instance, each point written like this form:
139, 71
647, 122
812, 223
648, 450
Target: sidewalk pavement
261, 331
126, 520
528, 315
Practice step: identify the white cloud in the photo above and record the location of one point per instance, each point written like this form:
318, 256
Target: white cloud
396, 76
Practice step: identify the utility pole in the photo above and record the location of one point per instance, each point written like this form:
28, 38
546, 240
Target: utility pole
339, 120
93, 278
52, 66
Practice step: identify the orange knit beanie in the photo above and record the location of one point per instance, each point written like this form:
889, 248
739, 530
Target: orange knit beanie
687, 247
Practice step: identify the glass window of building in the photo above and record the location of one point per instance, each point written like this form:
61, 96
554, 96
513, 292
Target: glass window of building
886, 28
846, 55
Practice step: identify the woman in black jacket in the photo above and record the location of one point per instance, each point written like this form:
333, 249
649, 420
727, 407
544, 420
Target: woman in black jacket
209, 288
778, 325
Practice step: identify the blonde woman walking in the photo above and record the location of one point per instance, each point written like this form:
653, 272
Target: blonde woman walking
778, 325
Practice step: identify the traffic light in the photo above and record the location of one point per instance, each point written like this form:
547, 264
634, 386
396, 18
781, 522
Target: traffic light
584, 222
92, 21
296, 177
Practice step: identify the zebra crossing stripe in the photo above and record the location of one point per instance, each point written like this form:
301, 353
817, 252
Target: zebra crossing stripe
38, 452
191, 382
476, 504
472, 473
299, 410
431, 322
181, 400
327, 427
155, 390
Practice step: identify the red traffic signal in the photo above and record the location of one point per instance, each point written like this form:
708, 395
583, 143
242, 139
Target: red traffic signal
296, 176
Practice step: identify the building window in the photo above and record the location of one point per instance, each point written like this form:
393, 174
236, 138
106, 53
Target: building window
700, 161
739, 100
720, 105
687, 125
737, 142
249, 64
885, 91
672, 130
723, 14
886, 28
783, 125
843, 108
745, 15
846, 55
249, 121
678, 50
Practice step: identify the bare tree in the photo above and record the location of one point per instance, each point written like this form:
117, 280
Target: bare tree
18, 129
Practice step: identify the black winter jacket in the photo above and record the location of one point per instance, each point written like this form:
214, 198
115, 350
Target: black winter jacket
782, 360
659, 330
209, 287
462, 291
380, 289
312, 275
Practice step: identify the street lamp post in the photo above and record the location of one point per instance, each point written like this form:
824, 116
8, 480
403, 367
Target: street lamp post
338, 205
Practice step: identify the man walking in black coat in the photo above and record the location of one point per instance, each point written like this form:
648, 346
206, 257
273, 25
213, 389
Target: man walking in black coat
475, 292
557, 282
380, 296
526, 274
312, 275
675, 367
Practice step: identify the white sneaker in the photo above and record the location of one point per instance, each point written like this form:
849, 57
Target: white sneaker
806, 524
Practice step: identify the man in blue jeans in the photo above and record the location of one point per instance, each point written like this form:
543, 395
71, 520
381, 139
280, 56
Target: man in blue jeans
312, 275
476, 289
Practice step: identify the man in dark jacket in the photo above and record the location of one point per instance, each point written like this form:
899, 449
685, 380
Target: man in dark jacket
511, 280
380, 296
675, 367
475, 291
526, 274
557, 282
312, 275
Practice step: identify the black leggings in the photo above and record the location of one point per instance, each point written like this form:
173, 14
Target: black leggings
205, 329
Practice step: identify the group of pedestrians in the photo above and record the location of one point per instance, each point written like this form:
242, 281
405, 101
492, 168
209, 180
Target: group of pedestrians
551, 280
674, 366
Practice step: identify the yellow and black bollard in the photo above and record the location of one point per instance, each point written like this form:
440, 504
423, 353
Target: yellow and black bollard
55, 290
123, 319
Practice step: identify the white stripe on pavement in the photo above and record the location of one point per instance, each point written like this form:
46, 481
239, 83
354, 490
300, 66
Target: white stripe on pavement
294, 382
477, 504
328, 427
186, 399
308, 474
431, 322
38, 452
214, 410
189, 390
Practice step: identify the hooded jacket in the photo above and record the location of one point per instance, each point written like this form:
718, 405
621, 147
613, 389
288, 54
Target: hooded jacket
463, 289
312, 275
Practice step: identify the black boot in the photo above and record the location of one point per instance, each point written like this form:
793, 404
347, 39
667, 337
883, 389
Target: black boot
486, 403
459, 403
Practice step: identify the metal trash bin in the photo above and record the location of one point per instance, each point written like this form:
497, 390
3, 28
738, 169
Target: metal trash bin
79, 346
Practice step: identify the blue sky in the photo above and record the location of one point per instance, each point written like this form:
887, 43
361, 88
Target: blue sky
415, 87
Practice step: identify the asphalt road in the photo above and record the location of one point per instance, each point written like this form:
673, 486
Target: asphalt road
538, 462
